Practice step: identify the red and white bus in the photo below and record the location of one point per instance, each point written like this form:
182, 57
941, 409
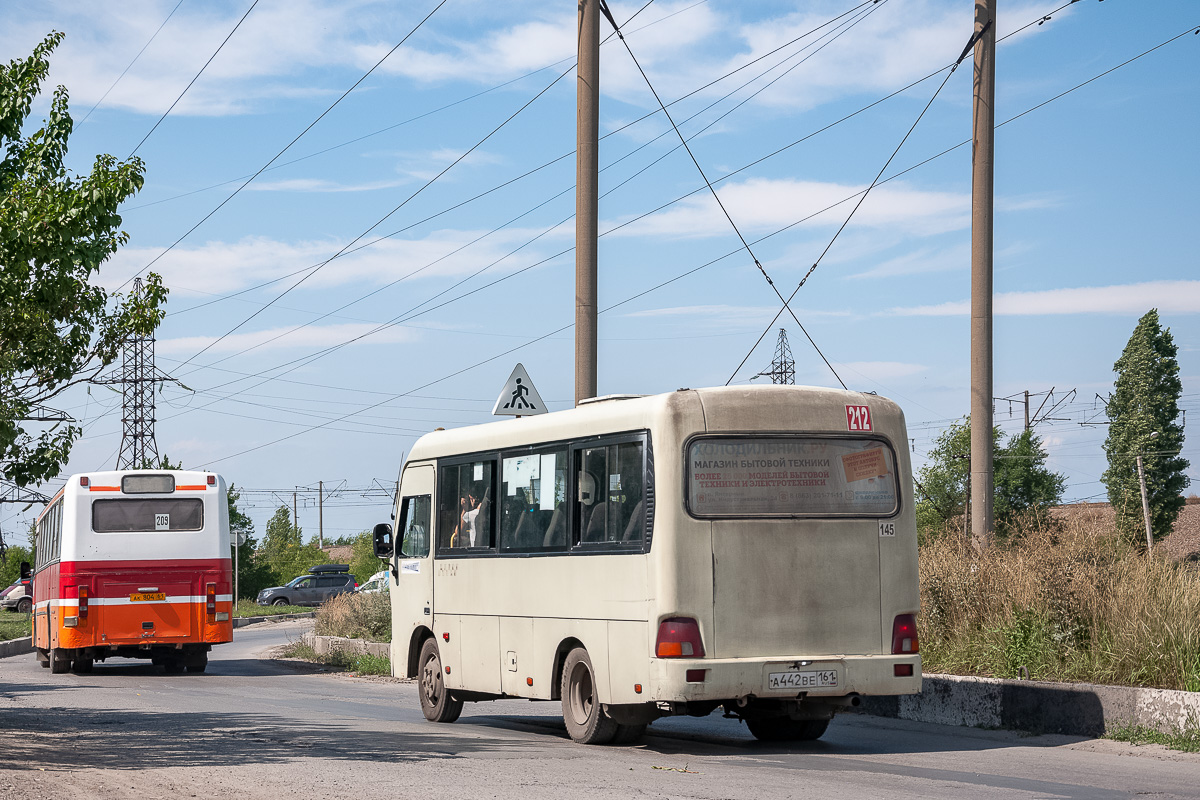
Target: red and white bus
133, 564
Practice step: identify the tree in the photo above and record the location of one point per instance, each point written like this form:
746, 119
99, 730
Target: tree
1022, 482
57, 328
283, 550
253, 574
363, 561
1143, 413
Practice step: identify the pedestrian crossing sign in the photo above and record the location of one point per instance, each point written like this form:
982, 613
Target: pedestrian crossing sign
519, 398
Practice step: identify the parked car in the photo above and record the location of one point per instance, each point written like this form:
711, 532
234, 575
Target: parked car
321, 583
376, 583
18, 597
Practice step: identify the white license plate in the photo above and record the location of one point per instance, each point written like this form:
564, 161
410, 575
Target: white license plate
811, 679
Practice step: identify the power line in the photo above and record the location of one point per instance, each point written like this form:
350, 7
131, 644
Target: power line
193, 80
289, 144
553, 161
131, 63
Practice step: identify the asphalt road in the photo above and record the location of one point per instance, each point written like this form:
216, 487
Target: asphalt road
254, 727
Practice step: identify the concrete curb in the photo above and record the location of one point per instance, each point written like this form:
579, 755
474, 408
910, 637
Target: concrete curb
241, 622
1077, 709
326, 644
16, 647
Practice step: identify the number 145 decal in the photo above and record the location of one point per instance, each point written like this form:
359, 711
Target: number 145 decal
858, 418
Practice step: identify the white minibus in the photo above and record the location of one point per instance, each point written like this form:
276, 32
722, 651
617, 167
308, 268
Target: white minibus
746, 548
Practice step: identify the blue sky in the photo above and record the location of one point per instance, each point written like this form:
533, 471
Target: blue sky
1095, 196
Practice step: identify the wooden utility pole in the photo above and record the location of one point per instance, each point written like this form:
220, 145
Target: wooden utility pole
983, 153
587, 199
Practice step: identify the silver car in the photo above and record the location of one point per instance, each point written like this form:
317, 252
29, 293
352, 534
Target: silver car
323, 582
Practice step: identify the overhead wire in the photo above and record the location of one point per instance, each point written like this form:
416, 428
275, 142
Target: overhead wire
286, 147
308, 359
131, 63
975, 37
553, 161
657, 286
837, 33
195, 78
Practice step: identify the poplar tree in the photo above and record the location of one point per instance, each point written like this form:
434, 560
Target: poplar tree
1143, 413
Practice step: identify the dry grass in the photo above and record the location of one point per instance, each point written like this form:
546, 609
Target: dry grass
356, 616
1064, 601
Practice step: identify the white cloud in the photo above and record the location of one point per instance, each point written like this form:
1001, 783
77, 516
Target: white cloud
313, 336
1175, 297
766, 204
219, 267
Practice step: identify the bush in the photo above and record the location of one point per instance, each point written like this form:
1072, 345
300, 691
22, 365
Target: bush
1069, 601
356, 616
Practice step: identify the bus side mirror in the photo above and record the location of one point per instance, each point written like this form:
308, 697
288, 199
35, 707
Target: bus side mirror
382, 535
26, 570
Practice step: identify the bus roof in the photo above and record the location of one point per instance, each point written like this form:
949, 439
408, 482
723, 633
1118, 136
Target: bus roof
631, 412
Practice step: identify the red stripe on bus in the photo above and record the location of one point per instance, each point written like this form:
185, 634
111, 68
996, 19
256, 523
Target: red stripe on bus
94, 488
199, 488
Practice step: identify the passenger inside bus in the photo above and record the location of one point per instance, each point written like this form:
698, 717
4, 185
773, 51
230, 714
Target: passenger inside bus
473, 518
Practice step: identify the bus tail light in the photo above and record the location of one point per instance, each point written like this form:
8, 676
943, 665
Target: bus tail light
678, 637
211, 599
904, 635
83, 602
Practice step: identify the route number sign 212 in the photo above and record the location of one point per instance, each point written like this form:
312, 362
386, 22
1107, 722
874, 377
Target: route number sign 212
858, 418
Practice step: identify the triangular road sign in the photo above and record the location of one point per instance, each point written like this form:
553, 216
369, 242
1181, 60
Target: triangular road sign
519, 397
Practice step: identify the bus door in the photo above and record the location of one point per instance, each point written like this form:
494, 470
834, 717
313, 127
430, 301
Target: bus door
412, 566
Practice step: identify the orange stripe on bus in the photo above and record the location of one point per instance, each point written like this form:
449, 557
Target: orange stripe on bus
199, 488
104, 488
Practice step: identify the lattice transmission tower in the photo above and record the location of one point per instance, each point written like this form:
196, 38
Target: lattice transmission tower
783, 368
137, 376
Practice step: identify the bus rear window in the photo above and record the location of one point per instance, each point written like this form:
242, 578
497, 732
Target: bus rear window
785, 476
148, 514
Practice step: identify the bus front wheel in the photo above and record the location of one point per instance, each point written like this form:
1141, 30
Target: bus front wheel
786, 729
437, 704
587, 722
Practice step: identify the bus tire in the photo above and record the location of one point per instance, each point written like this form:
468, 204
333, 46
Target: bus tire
587, 721
81, 665
198, 662
60, 661
786, 729
437, 704
627, 734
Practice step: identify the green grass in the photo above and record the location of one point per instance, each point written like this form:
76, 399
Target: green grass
14, 626
249, 608
359, 663
1186, 739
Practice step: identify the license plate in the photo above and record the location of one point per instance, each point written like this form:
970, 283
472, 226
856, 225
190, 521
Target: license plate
811, 679
143, 597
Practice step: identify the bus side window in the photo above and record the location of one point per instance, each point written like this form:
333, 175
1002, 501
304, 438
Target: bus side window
414, 526
610, 507
466, 517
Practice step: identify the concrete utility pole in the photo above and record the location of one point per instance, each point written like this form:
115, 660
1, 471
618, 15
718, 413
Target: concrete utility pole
1145, 503
295, 519
320, 513
587, 200
983, 154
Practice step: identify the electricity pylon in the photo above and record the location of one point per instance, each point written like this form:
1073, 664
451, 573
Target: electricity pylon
783, 368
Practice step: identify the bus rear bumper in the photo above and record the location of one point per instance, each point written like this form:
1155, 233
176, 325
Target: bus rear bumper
712, 679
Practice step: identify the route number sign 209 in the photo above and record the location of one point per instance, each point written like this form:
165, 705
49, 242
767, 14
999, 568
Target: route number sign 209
858, 418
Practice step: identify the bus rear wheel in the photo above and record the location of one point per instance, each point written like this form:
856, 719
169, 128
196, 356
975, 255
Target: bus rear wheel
437, 704
786, 729
587, 722
197, 663
60, 661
